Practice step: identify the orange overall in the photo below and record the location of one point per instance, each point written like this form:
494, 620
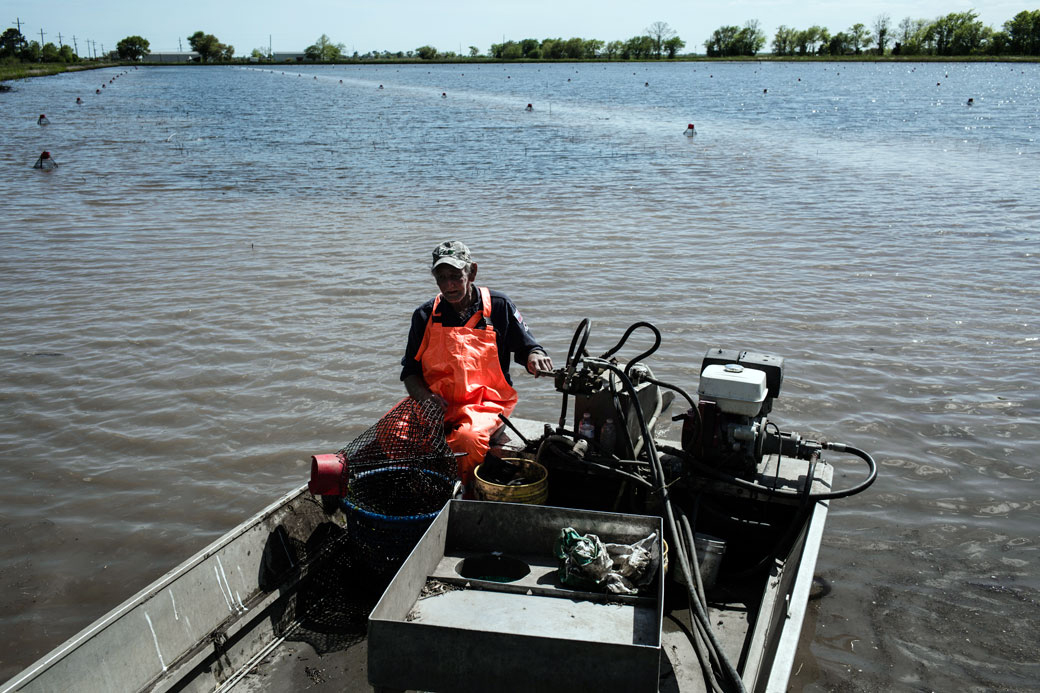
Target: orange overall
461, 365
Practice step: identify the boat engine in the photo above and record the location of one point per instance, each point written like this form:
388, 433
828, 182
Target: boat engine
736, 393
726, 435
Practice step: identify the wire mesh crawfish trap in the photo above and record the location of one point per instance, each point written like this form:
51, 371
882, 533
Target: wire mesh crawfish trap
398, 474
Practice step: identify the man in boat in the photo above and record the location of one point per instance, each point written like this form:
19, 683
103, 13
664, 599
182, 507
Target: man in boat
458, 352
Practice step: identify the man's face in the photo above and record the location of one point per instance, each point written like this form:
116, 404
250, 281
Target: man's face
453, 283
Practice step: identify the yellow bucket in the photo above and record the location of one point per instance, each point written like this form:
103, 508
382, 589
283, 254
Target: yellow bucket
535, 490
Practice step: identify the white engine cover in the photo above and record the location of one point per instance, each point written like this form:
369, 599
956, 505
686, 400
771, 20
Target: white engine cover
736, 389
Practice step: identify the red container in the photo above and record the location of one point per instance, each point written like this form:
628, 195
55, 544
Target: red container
328, 475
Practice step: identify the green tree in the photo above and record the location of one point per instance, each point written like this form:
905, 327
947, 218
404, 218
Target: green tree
721, 42
817, 37
574, 49
531, 48
591, 48
969, 34
859, 36
49, 53
12, 43
324, 50
261, 53
510, 50
474, 51
613, 49
426, 52
67, 55
1023, 33
958, 33
840, 44
673, 45
206, 45
750, 38
659, 32
915, 37
638, 48
784, 40
552, 49
729, 41
132, 48
882, 24
31, 52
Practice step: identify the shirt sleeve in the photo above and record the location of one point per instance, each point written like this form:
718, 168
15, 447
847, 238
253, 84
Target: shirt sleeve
518, 337
409, 366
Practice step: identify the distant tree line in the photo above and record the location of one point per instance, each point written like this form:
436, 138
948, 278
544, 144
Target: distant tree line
659, 41
955, 34
15, 49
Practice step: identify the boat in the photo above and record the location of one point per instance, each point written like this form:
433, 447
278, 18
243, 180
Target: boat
283, 601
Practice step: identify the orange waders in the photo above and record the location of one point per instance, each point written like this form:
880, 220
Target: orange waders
461, 365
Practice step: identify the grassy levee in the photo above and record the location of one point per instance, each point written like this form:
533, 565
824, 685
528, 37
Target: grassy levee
13, 71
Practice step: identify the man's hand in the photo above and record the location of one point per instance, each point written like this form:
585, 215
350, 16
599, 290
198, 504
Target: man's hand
539, 363
439, 400
419, 391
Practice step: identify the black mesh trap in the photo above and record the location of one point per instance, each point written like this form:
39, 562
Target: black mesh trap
398, 474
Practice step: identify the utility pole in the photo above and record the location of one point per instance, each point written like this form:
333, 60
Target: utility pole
60, 46
75, 46
41, 39
180, 46
18, 21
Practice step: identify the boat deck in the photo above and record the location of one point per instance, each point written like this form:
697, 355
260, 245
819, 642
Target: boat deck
277, 604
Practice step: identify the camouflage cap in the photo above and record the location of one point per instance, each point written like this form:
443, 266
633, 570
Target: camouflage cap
454, 253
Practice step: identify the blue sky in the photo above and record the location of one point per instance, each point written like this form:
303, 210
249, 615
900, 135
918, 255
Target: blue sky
449, 24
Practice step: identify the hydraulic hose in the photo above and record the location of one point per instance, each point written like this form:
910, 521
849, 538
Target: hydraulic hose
659, 479
693, 405
577, 348
624, 338
759, 488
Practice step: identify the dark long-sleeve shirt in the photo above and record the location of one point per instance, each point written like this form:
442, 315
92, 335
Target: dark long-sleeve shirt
511, 332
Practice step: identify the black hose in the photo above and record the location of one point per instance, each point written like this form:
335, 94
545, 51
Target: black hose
759, 488
693, 405
669, 386
624, 338
858, 488
659, 479
573, 356
691, 541
582, 333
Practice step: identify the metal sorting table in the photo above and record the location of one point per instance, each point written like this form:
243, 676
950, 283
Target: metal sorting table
434, 629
